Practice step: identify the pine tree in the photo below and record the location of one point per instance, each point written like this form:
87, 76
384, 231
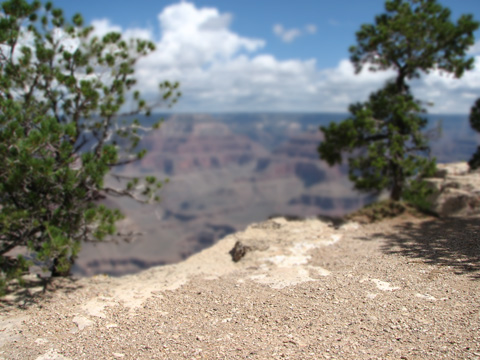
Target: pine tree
63, 92
383, 137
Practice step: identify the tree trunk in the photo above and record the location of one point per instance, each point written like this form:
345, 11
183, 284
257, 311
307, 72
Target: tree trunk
402, 87
397, 187
396, 192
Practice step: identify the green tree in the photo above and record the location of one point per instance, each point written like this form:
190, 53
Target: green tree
475, 123
382, 155
63, 127
383, 138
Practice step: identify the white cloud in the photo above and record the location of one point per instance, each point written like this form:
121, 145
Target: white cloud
220, 70
311, 29
104, 26
196, 37
284, 34
448, 94
288, 35
474, 49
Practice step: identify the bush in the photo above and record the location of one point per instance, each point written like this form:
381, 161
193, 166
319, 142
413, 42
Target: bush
62, 129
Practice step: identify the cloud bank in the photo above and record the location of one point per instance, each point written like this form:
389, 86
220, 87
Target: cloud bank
220, 70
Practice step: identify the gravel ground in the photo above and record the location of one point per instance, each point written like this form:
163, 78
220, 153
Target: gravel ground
404, 288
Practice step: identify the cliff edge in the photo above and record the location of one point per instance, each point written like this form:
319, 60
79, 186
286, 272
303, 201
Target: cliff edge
403, 288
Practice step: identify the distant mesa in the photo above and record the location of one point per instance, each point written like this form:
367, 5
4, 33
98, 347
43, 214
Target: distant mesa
326, 204
115, 267
310, 173
179, 149
262, 164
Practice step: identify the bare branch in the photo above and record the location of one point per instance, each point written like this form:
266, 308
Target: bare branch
117, 192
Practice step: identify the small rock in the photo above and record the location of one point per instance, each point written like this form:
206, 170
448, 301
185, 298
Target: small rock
82, 322
239, 251
36, 290
52, 355
426, 297
41, 341
384, 286
350, 226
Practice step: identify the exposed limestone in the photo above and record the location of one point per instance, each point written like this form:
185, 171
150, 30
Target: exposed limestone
452, 169
456, 190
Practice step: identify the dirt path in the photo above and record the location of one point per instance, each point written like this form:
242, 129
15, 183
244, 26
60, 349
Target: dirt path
401, 289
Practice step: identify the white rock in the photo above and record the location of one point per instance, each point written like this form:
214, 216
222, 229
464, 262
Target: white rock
41, 341
350, 226
426, 297
384, 286
82, 322
456, 190
459, 168
52, 355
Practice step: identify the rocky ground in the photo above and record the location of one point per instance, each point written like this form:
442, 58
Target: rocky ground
405, 288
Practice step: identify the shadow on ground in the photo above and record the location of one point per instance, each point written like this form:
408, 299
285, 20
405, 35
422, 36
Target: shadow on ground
35, 291
451, 242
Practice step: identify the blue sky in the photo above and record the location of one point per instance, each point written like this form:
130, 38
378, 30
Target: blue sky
269, 55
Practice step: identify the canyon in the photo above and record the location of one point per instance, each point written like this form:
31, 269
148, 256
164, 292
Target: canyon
227, 171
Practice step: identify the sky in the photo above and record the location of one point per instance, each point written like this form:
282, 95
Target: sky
267, 55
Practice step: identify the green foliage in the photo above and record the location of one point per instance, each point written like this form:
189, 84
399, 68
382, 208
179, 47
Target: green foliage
383, 138
62, 93
414, 36
475, 123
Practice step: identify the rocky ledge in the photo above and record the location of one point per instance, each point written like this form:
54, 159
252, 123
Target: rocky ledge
403, 288
456, 190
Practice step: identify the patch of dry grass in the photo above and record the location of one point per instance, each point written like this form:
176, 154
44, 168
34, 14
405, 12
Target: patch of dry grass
382, 210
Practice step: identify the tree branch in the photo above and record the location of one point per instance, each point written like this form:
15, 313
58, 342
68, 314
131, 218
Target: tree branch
375, 138
117, 192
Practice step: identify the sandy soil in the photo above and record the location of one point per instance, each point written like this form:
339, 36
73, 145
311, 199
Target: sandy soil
405, 288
